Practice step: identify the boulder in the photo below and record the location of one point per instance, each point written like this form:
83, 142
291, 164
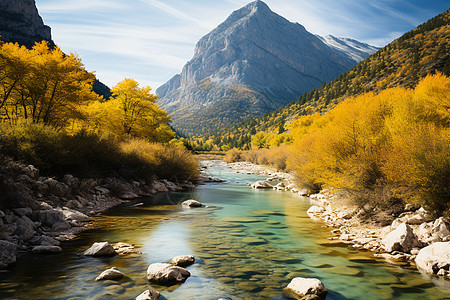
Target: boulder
46, 249
100, 249
440, 229
110, 274
280, 187
413, 218
8, 252
61, 226
311, 288
167, 274
159, 187
73, 215
262, 184
25, 228
315, 210
24, 211
401, 239
183, 260
191, 203
149, 295
433, 258
48, 217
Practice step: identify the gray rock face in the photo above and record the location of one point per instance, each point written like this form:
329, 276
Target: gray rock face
20, 22
306, 288
167, 273
100, 249
252, 63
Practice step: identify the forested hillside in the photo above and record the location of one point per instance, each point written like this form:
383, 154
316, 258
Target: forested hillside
403, 62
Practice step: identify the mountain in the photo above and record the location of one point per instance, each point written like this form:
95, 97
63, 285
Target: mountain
252, 63
20, 22
422, 51
354, 49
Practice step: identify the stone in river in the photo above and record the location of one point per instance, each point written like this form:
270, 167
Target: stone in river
100, 249
110, 274
167, 274
191, 203
183, 260
434, 257
304, 287
149, 295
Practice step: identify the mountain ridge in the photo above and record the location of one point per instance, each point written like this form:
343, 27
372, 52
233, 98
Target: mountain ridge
253, 62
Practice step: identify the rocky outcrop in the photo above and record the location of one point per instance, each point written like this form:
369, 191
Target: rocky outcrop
149, 295
401, 239
167, 274
183, 260
306, 288
41, 211
100, 249
20, 22
110, 274
434, 258
254, 62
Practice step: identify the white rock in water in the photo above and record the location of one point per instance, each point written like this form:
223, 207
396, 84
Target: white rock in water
167, 273
433, 258
400, 239
183, 260
149, 295
307, 286
315, 210
100, 249
110, 274
191, 203
262, 184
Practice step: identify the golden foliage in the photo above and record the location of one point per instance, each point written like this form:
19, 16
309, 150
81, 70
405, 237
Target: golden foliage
399, 137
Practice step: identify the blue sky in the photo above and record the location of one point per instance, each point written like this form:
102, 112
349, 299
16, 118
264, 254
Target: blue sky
151, 40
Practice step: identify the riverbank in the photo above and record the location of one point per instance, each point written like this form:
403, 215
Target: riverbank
412, 237
38, 213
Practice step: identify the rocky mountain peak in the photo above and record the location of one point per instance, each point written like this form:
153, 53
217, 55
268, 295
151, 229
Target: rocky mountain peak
253, 62
20, 22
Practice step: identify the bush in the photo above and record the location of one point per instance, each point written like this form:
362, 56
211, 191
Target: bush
233, 155
166, 161
87, 154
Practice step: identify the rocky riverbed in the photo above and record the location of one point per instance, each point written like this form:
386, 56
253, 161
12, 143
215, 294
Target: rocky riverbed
37, 213
414, 236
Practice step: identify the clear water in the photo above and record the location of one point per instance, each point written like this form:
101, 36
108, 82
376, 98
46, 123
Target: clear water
248, 245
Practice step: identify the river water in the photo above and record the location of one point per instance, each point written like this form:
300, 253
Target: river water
248, 245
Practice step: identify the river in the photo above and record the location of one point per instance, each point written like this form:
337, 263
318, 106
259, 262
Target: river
248, 244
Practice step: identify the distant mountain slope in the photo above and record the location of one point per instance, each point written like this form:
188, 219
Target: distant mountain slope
252, 63
403, 62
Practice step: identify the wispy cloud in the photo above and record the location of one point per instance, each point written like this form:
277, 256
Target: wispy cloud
151, 40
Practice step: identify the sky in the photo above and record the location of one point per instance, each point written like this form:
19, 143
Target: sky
151, 40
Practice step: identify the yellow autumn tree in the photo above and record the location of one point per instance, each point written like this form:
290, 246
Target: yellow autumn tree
43, 85
386, 146
131, 112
